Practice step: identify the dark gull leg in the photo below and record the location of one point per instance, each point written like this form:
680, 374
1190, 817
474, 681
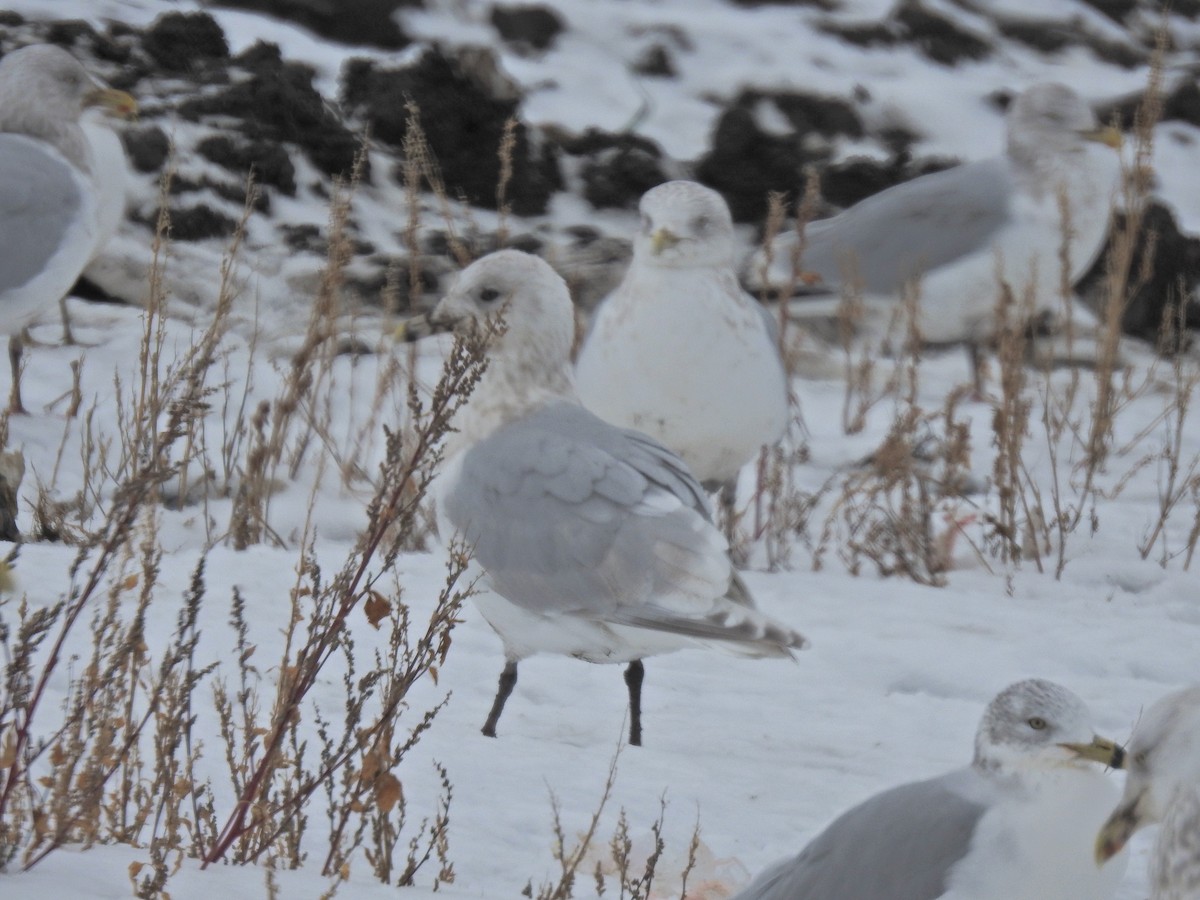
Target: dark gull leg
728, 501
15, 348
508, 680
68, 335
634, 674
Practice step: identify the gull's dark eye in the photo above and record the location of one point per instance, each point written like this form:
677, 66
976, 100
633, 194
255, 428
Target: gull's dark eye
489, 295
700, 224
1139, 759
1037, 723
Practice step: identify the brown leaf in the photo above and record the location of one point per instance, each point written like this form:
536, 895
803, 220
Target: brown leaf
376, 608
135, 869
58, 756
388, 792
8, 751
129, 583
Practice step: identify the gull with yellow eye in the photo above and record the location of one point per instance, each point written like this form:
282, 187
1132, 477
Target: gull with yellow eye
49, 198
592, 541
679, 350
954, 239
1016, 824
1163, 786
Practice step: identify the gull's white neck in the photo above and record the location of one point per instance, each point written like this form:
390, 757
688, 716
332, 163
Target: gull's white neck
514, 385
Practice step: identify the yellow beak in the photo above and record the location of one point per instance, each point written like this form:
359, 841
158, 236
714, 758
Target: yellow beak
114, 102
662, 239
1101, 750
1107, 135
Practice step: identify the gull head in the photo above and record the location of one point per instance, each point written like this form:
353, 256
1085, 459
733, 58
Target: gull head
1037, 725
1163, 758
518, 298
684, 225
1050, 120
49, 77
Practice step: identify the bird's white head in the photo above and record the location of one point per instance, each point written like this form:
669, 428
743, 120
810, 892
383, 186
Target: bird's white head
527, 308
46, 90
1049, 121
1163, 758
1037, 725
684, 224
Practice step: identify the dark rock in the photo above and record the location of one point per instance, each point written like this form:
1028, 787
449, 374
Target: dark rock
1183, 103
1117, 10
1174, 264
826, 5
67, 32
526, 243
198, 223
620, 177
827, 116
845, 183
937, 37
270, 161
1046, 36
863, 34
179, 41
147, 148
234, 192
619, 169
10, 19
370, 23
463, 121
279, 103
746, 162
655, 62
304, 238
535, 26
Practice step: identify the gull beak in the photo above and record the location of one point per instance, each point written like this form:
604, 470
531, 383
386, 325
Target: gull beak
1116, 832
8, 583
662, 240
1107, 135
1101, 750
419, 326
114, 102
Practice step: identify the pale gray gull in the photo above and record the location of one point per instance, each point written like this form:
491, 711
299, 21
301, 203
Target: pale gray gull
48, 198
1163, 785
679, 351
594, 541
955, 236
1018, 823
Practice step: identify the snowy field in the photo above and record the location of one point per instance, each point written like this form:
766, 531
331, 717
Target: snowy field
758, 755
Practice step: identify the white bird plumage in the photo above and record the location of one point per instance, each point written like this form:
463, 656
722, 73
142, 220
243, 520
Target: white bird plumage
49, 201
594, 541
679, 350
1163, 786
955, 236
1016, 824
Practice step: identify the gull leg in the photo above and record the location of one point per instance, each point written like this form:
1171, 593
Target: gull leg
16, 346
728, 501
68, 336
508, 680
976, 357
634, 674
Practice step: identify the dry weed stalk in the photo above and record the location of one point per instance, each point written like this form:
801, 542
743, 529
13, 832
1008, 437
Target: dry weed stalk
308, 369
256, 822
114, 698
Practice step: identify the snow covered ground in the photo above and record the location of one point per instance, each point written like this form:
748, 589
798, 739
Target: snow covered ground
759, 754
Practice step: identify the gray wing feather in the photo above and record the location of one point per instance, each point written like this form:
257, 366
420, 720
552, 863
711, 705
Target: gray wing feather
545, 501
899, 845
39, 198
912, 228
